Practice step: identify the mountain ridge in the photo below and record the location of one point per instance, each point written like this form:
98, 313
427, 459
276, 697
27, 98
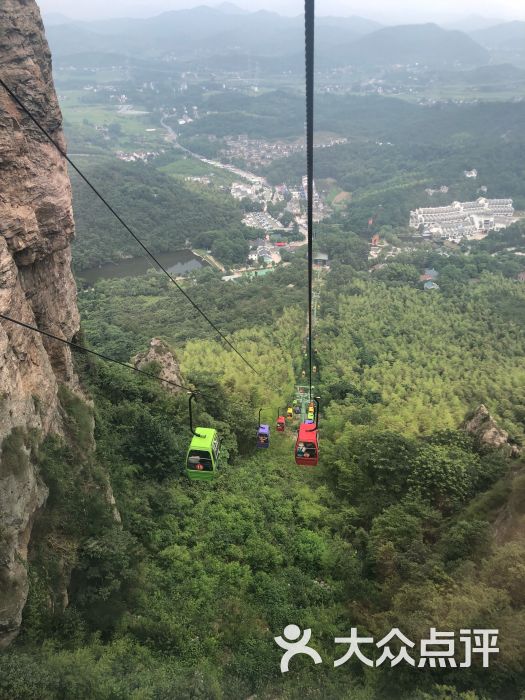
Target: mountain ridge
410, 44
209, 31
507, 35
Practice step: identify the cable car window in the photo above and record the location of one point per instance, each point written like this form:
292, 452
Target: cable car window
306, 449
216, 447
310, 449
200, 461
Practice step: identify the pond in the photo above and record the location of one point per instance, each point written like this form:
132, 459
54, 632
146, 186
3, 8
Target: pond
177, 263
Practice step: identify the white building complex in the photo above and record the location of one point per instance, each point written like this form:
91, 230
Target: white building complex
463, 219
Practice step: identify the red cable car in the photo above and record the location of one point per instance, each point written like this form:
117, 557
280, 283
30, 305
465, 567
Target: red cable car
281, 422
307, 443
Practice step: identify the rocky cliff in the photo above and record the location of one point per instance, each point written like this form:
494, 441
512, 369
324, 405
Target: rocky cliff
36, 286
160, 355
482, 426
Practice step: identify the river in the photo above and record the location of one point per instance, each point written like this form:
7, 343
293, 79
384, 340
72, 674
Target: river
178, 263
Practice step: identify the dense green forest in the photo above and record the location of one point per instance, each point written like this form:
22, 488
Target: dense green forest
114, 311
279, 113
147, 586
161, 210
407, 521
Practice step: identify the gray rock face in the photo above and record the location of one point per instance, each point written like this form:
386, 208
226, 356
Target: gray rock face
486, 431
36, 286
160, 354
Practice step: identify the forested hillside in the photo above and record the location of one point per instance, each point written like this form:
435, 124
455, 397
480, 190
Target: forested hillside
415, 148
408, 521
144, 584
160, 209
372, 117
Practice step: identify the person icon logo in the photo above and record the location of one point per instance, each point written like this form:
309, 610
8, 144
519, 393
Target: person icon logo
294, 644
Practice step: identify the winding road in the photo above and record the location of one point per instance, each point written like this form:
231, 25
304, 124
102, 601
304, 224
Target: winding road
245, 174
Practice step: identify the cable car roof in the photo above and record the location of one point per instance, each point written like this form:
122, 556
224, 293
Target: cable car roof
306, 434
204, 442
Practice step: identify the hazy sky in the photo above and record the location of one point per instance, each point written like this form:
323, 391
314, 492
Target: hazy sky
385, 10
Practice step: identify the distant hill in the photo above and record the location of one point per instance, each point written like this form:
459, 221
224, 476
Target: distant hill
224, 36
231, 9
354, 24
426, 44
98, 59
508, 36
74, 38
205, 31
52, 19
472, 23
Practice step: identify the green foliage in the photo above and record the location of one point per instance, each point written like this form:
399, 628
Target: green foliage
105, 572
148, 439
78, 419
429, 366
398, 273
442, 692
14, 454
443, 475
73, 533
405, 523
399, 541
161, 210
121, 316
123, 670
372, 467
466, 538
505, 570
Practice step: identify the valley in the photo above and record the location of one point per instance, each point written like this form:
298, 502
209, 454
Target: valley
135, 582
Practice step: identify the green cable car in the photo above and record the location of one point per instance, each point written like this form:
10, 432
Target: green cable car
204, 453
